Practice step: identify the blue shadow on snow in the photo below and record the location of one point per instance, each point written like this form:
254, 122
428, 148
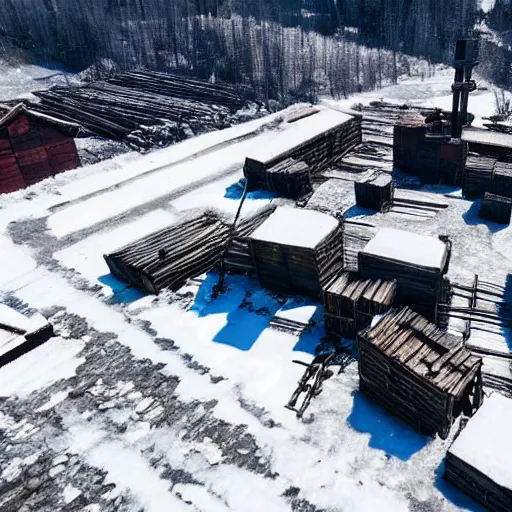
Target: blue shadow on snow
387, 432
248, 307
455, 495
236, 191
123, 293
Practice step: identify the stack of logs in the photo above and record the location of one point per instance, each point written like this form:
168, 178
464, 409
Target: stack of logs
143, 109
171, 256
478, 176
351, 302
496, 208
375, 192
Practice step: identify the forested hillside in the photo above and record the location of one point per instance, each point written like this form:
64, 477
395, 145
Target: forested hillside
281, 48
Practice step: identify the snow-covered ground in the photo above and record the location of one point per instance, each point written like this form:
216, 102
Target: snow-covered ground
176, 402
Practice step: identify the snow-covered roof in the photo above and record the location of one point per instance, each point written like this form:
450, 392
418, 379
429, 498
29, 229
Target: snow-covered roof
296, 227
298, 133
487, 137
486, 442
407, 247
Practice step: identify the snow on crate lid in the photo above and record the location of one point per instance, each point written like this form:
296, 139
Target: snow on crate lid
486, 444
298, 133
296, 227
403, 246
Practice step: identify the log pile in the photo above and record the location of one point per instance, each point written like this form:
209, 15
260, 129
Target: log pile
496, 208
375, 192
320, 140
478, 176
143, 109
238, 258
418, 372
416, 262
297, 250
167, 258
351, 302
288, 178
478, 462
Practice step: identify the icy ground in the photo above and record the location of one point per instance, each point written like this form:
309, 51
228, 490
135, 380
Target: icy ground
175, 403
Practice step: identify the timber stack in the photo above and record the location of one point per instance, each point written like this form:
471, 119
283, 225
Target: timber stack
288, 178
478, 462
334, 197
489, 144
418, 372
238, 258
351, 302
297, 250
417, 263
478, 176
157, 110
167, 258
502, 179
375, 192
496, 208
320, 140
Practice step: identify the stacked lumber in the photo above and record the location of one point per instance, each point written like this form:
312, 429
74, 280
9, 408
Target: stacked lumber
20, 333
416, 262
496, 208
356, 236
319, 140
478, 462
167, 258
351, 302
478, 176
288, 178
418, 372
368, 155
295, 316
238, 258
489, 144
502, 179
178, 86
143, 109
297, 250
333, 197
375, 192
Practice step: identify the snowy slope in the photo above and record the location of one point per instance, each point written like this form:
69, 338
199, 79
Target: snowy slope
176, 402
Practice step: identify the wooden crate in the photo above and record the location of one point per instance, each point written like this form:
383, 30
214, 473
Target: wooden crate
418, 372
496, 208
297, 250
478, 462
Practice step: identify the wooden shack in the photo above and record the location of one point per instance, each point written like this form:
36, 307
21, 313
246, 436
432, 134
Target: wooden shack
351, 302
496, 208
297, 250
418, 372
319, 140
167, 258
20, 333
33, 147
417, 263
479, 461
375, 192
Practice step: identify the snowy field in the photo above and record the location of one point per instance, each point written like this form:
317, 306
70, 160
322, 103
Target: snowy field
175, 402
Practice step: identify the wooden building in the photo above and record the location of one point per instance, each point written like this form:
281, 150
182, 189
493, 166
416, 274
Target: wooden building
432, 157
20, 333
320, 140
297, 250
167, 258
375, 192
351, 302
496, 208
479, 460
417, 263
418, 372
33, 147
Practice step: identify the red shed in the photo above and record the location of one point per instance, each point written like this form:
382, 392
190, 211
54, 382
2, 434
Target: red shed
33, 147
